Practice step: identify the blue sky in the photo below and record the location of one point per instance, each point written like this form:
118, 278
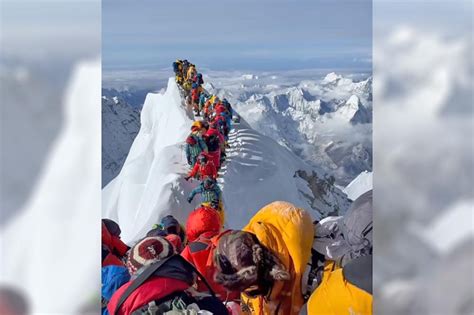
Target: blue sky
239, 35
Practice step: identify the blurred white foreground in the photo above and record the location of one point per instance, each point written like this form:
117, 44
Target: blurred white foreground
46, 250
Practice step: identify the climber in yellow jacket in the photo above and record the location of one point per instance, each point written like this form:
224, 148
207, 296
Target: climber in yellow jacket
267, 260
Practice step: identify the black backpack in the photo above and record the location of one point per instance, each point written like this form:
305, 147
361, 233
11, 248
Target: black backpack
175, 267
212, 143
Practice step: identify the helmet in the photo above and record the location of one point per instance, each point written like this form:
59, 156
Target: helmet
202, 158
197, 124
209, 182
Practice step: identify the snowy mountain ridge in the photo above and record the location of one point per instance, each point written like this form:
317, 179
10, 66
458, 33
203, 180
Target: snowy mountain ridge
258, 171
326, 122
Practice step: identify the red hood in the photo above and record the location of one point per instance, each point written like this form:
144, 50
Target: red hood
202, 220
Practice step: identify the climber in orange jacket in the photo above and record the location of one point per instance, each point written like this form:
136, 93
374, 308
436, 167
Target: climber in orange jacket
203, 168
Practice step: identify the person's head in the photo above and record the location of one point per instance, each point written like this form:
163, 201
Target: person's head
147, 251
205, 125
196, 126
112, 227
202, 220
209, 183
156, 231
243, 264
170, 225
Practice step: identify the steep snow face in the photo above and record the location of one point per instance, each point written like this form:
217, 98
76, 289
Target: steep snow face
325, 122
132, 96
258, 171
120, 125
354, 112
359, 185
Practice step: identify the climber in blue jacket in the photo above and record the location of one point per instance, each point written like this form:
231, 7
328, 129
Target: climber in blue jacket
209, 190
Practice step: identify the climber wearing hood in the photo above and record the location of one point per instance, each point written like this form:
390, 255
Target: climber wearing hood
195, 144
161, 281
178, 71
346, 245
203, 168
113, 249
266, 261
202, 230
209, 190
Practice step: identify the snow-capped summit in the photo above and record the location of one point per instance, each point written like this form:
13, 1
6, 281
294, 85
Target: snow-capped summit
354, 112
332, 78
305, 115
249, 77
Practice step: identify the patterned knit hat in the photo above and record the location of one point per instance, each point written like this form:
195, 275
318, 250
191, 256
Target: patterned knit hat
148, 251
243, 262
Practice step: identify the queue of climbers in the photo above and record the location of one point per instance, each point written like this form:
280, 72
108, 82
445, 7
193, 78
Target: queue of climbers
281, 262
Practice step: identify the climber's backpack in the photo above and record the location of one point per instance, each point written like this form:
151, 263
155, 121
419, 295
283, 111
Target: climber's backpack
178, 302
212, 142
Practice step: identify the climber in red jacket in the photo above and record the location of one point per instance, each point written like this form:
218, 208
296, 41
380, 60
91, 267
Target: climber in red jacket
202, 231
216, 143
113, 249
204, 167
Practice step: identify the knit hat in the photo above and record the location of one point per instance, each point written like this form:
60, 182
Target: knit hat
170, 225
148, 251
242, 262
202, 220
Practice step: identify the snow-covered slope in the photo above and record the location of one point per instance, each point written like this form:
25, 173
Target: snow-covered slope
259, 170
120, 125
359, 185
327, 122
